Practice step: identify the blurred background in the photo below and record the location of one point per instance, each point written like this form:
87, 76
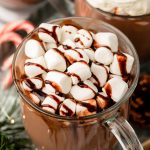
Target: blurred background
17, 19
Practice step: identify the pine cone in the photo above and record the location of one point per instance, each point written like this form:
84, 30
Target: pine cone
140, 102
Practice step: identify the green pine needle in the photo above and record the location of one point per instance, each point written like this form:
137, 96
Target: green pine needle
5, 143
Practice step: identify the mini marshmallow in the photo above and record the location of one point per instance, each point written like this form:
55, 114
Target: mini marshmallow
32, 83
68, 32
47, 89
59, 81
55, 60
49, 33
115, 88
114, 76
86, 108
103, 101
106, 39
33, 49
83, 92
115, 68
91, 85
76, 55
103, 55
94, 80
90, 53
93, 34
68, 107
129, 63
68, 44
100, 72
49, 45
122, 64
51, 103
35, 99
25, 86
83, 39
81, 69
124, 78
34, 67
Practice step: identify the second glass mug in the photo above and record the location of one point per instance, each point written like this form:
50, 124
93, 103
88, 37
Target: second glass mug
94, 132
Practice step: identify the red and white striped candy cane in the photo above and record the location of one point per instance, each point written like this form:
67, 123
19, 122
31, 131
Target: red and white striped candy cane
8, 80
11, 37
7, 34
17, 25
7, 65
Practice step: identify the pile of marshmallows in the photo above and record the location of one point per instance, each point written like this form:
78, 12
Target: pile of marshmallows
80, 72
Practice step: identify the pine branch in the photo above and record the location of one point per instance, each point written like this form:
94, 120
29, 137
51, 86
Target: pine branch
12, 133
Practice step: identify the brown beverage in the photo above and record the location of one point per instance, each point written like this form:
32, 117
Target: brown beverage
65, 128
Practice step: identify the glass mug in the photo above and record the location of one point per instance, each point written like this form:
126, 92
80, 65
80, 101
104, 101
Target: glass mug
137, 28
94, 132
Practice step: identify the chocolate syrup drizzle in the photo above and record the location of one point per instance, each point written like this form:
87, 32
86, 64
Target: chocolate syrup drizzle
82, 61
66, 47
48, 105
96, 79
98, 45
74, 75
61, 55
51, 33
37, 65
55, 98
104, 102
30, 84
68, 112
90, 107
108, 89
41, 95
82, 85
78, 40
122, 60
54, 85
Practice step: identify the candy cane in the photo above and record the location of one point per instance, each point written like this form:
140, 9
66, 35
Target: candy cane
8, 80
7, 34
7, 65
16, 39
11, 36
15, 26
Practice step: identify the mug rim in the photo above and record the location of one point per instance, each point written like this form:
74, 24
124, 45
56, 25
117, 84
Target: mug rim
117, 15
100, 114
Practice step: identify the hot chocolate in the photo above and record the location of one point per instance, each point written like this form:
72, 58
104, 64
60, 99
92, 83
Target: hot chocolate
70, 75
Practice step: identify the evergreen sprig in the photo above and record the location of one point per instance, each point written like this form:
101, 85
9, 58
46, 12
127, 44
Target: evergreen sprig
5, 143
12, 133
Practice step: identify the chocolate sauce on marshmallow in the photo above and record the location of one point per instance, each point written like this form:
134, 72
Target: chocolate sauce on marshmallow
70, 71
49, 33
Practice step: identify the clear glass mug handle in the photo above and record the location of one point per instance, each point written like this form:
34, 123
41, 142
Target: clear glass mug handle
124, 133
